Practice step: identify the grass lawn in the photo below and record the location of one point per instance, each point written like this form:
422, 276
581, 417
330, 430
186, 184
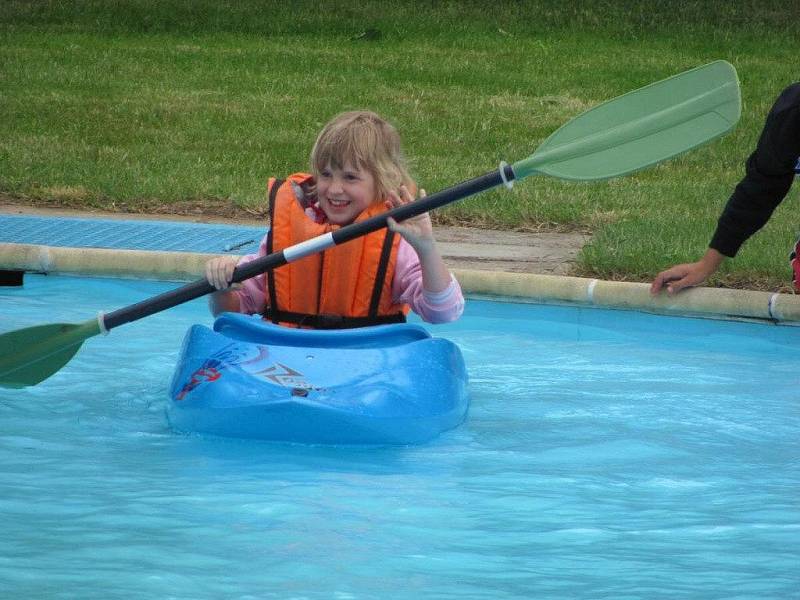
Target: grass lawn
143, 105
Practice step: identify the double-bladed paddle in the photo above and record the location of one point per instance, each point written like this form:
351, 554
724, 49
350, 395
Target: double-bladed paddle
628, 133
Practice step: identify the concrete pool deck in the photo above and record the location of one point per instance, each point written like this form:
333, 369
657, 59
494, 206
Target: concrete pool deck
523, 266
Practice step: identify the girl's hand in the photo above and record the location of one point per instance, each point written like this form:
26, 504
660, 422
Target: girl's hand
219, 271
417, 231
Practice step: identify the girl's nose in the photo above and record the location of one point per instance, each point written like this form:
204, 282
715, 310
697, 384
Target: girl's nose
336, 185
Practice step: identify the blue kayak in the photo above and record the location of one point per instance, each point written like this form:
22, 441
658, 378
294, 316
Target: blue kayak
389, 384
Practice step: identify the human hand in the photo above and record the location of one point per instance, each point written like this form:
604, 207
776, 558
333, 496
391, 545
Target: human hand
687, 274
417, 231
219, 271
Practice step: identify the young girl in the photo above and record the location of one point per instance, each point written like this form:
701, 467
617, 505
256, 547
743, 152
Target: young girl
358, 171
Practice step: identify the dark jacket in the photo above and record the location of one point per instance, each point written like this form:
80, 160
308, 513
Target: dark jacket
770, 171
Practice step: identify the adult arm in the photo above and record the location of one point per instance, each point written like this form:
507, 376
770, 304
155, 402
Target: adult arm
769, 173
686, 275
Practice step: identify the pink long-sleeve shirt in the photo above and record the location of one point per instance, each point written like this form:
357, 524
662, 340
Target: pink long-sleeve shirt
432, 307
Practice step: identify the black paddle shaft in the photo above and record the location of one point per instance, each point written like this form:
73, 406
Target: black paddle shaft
201, 287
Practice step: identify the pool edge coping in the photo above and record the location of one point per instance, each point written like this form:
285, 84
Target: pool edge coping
532, 287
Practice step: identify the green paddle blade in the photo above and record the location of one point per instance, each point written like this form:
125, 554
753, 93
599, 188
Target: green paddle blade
641, 128
29, 356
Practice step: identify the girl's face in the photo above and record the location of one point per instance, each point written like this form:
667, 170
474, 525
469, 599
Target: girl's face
344, 193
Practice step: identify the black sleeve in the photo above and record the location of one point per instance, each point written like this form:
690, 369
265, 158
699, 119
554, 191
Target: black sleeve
769, 175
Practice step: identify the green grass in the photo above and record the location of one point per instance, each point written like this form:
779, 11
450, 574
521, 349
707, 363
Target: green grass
145, 105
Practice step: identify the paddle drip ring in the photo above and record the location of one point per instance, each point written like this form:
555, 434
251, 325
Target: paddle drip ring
101, 322
506, 182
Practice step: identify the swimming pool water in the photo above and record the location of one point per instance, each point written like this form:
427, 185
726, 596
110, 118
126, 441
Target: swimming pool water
607, 454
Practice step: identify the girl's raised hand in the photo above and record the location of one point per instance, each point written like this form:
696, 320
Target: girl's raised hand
417, 231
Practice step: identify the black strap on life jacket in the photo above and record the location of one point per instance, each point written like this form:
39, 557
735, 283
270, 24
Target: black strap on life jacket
380, 274
273, 191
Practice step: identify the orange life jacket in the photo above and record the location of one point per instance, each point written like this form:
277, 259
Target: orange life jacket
349, 285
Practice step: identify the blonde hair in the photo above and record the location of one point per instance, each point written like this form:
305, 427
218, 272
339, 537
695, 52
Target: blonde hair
363, 140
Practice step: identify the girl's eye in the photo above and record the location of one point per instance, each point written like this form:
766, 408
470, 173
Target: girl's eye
325, 174
351, 176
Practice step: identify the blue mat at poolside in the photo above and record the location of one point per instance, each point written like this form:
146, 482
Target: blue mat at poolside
171, 236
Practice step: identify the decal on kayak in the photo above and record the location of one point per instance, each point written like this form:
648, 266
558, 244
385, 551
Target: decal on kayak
235, 355
285, 376
214, 366
203, 374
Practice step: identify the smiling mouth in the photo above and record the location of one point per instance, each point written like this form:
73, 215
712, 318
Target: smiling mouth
338, 203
